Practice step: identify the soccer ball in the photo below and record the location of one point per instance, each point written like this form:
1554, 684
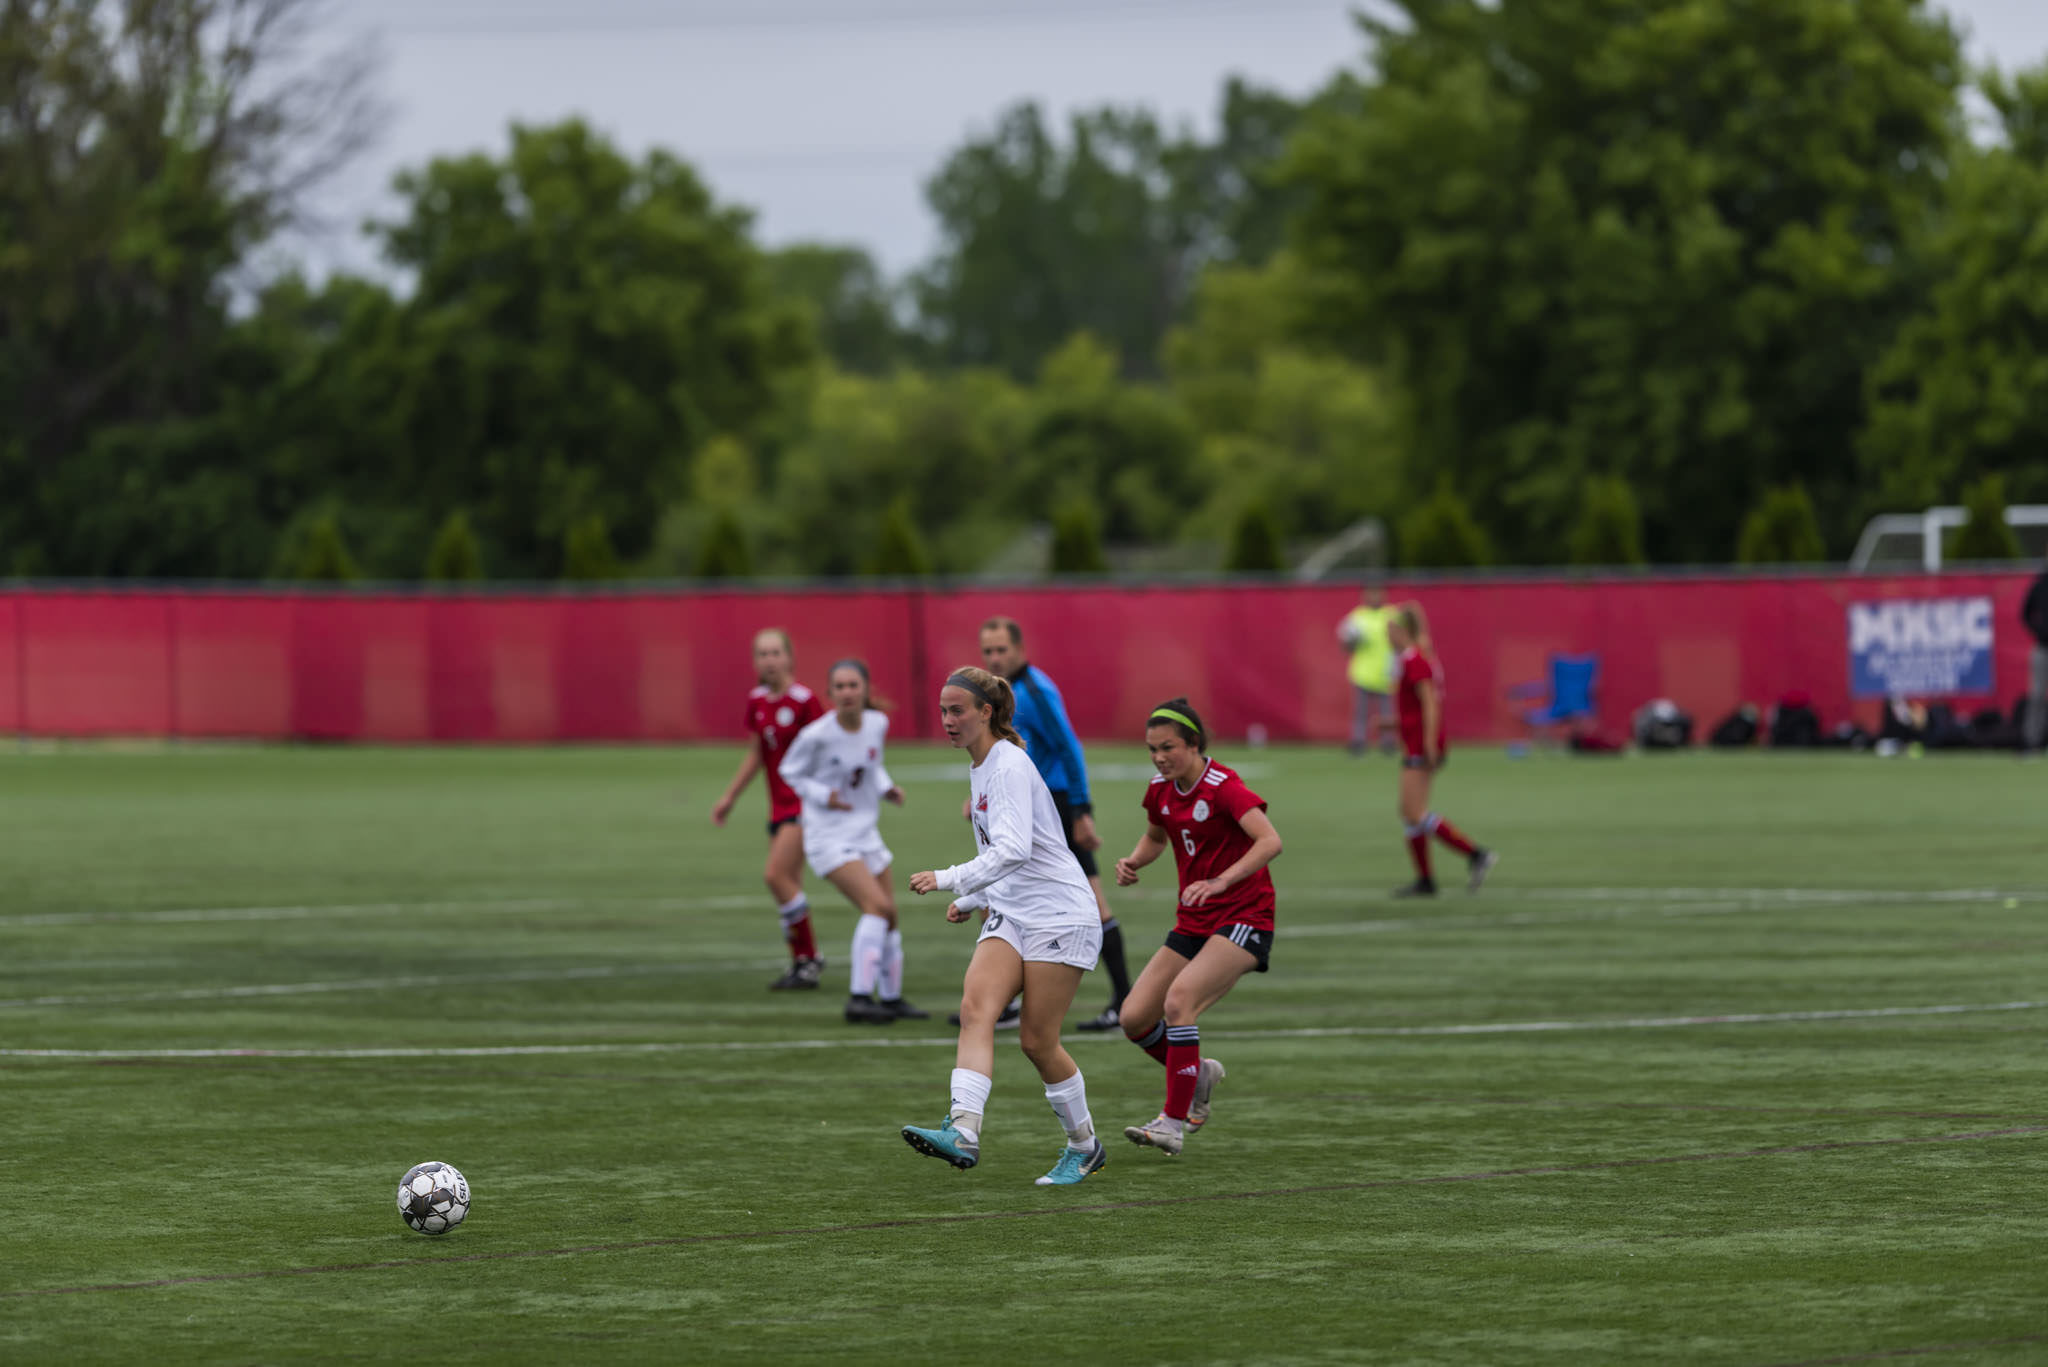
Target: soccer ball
1349, 634
433, 1198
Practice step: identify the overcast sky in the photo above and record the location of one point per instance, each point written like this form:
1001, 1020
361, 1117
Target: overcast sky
825, 116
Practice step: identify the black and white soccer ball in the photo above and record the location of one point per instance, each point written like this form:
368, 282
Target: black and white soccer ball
433, 1198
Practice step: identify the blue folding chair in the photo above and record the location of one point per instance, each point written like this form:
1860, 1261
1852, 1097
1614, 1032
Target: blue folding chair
1569, 695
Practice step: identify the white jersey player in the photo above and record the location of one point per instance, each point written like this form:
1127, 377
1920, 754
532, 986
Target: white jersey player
836, 766
1040, 930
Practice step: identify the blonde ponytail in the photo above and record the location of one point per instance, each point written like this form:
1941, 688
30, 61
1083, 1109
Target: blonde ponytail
995, 690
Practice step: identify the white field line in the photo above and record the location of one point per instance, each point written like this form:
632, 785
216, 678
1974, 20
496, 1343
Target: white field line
347, 910
1634, 899
261, 990
946, 1041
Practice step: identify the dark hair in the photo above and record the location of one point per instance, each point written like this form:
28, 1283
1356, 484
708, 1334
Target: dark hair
1196, 735
993, 691
1008, 624
859, 667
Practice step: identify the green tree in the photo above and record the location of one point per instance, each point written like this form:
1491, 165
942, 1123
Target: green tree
852, 305
1314, 436
148, 150
724, 554
581, 325
1255, 542
1077, 540
1610, 526
1103, 230
321, 555
1781, 530
587, 550
1963, 390
1985, 536
1661, 238
922, 437
456, 556
900, 552
1441, 533
1128, 448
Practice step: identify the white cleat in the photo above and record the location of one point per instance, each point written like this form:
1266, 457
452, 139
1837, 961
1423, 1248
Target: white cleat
1158, 1132
1205, 1083
1482, 864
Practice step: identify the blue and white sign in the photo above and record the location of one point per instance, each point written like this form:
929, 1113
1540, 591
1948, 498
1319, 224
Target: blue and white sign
1920, 648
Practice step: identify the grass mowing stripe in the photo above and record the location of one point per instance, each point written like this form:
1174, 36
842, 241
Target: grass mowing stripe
1646, 898
933, 1041
1919, 1350
533, 975
974, 1217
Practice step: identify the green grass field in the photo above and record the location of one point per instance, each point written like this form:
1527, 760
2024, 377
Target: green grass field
1739, 1061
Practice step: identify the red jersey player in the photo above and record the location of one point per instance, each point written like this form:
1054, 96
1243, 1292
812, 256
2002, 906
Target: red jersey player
1419, 698
1222, 841
776, 710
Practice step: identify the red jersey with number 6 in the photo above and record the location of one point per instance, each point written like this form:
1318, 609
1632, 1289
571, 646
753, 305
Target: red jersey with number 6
1202, 827
774, 720
1413, 670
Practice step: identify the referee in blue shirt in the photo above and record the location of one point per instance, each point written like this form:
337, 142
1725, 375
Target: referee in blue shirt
1050, 741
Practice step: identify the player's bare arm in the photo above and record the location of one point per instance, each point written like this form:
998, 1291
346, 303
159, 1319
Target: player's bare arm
1432, 710
1265, 848
749, 767
1084, 832
1150, 846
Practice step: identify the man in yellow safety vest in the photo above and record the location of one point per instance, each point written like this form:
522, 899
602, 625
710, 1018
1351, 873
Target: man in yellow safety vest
1363, 633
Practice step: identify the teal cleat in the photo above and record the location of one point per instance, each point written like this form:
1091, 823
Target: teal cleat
1074, 1165
944, 1142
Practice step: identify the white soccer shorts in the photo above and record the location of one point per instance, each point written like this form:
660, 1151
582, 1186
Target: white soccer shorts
1071, 942
826, 852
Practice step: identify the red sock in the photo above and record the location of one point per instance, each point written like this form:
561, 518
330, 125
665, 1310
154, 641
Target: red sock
1418, 850
1153, 1041
1183, 1067
1450, 835
802, 944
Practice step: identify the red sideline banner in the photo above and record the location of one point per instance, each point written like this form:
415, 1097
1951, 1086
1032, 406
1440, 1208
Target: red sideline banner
675, 665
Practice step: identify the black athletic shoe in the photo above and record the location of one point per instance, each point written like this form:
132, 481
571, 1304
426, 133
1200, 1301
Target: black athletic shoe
902, 1009
803, 975
1007, 1021
867, 1011
1421, 887
1108, 1020
1482, 864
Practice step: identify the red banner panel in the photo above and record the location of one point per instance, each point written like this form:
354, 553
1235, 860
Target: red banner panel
676, 666
95, 664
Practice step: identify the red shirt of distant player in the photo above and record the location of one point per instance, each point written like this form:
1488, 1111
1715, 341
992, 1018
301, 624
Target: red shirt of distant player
1201, 826
1412, 670
775, 720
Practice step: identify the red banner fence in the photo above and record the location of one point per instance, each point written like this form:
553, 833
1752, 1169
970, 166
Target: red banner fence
674, 665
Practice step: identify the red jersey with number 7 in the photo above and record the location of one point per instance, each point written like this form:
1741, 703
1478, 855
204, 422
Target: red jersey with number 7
1202, 828
774, 720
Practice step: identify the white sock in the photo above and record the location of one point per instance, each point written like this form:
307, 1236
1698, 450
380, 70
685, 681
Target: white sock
970, 1102
892, 966
1070, 1103
870, 935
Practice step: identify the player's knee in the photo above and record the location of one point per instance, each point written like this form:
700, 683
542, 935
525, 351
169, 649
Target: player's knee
1181, 1008
1040, 1044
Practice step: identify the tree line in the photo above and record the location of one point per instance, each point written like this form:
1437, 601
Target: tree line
1595, 281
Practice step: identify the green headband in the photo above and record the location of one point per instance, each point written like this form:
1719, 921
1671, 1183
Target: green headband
1168, 714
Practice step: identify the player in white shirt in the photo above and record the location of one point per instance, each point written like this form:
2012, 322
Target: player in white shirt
836, 766
1040, 930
